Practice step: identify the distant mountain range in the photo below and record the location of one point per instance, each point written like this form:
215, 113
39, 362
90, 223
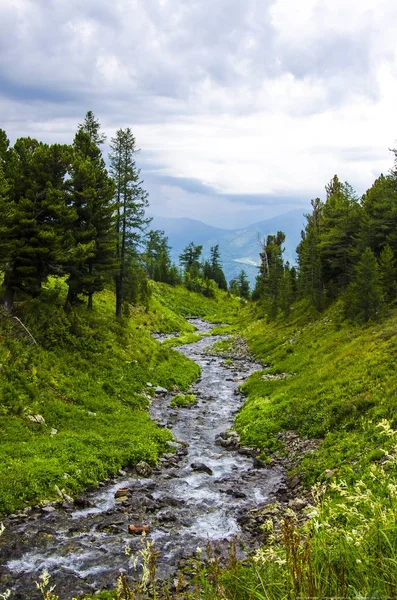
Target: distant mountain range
239, 248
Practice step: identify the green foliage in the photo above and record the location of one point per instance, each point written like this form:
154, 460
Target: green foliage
92, 192
190, 259
186, 400
240, 286
364, 297
388, 273
157, 259
187, 338
35, 216
218, 309
131, 203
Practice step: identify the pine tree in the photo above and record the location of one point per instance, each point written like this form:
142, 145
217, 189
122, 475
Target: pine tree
36, 216
190, 260
268, 282
157, 258
131, 202
287, 294
379, 224
338, 238
364, 296
217, 273
388, 273
94, 261
310, 280
243, 285
240, 286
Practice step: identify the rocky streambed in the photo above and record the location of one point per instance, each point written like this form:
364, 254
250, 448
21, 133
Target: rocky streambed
204, 489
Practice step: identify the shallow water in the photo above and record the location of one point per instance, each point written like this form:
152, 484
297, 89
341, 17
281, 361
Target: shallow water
84, 549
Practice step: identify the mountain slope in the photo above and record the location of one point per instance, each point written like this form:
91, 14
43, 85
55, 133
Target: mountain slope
239, 247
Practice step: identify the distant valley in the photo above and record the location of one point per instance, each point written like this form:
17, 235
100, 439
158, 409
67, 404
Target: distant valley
239, 247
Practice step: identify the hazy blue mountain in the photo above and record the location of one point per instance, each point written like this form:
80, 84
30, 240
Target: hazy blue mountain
239, 247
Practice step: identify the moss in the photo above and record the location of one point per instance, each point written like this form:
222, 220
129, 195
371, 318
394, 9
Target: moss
186, 400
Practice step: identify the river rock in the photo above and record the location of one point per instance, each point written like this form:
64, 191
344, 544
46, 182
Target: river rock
121, 499
166, 516
83, 502
161, 391
235, 493
122, 492
143, 469
259, 464
297, 504
138, 529
201, 468
174, 445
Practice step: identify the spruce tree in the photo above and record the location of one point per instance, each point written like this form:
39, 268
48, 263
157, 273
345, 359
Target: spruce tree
310, 280
268, 282
365, 296
93, 262
157, 258
388, 274
217, 273
131, 203
190, 260
36, 215
338, 238
379, 224
243, 285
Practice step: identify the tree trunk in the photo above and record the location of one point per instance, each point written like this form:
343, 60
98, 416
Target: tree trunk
90, 305
119, 296
8, 299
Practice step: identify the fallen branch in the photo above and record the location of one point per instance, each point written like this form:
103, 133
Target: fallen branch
26, 330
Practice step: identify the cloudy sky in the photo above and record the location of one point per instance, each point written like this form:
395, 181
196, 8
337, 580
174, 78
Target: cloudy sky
243, 109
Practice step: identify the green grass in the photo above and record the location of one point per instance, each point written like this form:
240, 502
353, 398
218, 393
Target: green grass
186, 338
87, 378
340, 384
183, 400
221, 309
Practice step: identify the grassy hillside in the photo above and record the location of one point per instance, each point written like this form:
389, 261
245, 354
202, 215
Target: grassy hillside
86, 381
333, 381
336, 382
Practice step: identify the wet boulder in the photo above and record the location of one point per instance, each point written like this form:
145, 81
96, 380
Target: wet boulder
143, 469
201, 468
160, 391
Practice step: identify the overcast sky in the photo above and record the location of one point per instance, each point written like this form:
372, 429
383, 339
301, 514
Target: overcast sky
243, 109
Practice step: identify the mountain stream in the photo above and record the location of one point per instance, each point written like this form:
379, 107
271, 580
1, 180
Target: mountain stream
82, 545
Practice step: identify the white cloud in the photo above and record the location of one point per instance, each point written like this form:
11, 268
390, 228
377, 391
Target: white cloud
249, 97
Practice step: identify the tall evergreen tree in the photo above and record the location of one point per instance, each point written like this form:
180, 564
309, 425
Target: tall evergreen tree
364, 296
131, 202
93, 194
190, 259
157, 258
379, 224
388, 274
310, 279
287, 292
338, 241
271, 269
217, 273
36, 216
